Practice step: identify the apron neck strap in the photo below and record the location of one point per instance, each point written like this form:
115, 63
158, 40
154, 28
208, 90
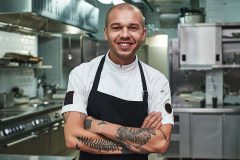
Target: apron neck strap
98, 74
144, 85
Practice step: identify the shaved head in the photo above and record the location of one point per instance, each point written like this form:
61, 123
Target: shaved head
124, 6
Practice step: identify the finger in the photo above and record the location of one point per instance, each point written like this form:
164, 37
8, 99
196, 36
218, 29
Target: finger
159, 125
156, 122
152, 120
147, 118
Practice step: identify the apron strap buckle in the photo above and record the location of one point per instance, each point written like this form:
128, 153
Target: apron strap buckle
145, 95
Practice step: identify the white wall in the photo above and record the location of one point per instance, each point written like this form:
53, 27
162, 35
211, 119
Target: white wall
23, 78
18, 43
158, 53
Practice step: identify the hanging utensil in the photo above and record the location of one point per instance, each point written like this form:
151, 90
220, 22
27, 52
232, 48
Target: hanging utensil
69, 48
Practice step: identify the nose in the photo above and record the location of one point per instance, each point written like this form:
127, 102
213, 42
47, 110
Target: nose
124, 33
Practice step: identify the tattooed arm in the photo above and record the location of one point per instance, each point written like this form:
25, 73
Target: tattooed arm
78, 137
140, 140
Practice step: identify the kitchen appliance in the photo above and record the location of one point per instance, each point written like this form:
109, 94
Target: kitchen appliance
6, 99
189, 16
30, 127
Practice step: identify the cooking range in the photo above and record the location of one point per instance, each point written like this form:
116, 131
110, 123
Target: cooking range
22, 123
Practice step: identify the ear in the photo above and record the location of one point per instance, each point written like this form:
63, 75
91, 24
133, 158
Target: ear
105, 33
144, 34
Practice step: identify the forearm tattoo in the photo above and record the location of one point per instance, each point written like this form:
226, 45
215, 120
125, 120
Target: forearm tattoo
139, 136
105, 145
102, 122
87, 123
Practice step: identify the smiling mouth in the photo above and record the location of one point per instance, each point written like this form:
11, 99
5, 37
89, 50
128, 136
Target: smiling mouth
124, 45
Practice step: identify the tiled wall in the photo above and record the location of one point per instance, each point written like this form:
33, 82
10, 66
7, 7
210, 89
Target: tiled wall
222, 10
14, 42
23, 78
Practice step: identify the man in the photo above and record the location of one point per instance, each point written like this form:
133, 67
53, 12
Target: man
116, 107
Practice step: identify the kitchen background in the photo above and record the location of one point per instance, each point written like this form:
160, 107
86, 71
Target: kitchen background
195, 43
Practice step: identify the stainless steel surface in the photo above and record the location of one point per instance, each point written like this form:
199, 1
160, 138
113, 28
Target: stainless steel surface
233, 109
17, 123
227, 24
168, 11
21, 140
193, 18
205, 134
199, 45
42, 15
26, 110
28, 130
32, 157
181, 80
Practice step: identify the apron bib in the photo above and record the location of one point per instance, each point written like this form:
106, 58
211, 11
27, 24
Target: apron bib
115, 110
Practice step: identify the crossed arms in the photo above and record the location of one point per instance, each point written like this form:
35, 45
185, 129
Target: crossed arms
88, 134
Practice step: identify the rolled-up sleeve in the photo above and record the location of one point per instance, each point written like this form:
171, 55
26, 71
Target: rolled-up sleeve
75, 97
160, 100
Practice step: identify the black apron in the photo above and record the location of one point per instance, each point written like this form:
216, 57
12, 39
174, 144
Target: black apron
115, 110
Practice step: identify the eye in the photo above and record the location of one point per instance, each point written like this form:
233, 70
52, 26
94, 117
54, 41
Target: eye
115, 27
133, 28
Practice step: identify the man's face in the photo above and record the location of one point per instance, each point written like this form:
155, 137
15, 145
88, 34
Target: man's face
124, 33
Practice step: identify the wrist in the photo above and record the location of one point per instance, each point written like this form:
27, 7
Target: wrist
99, 126
89, 124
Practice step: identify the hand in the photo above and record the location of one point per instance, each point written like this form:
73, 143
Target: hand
153, 120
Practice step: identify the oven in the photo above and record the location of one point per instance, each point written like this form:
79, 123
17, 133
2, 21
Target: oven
34, 131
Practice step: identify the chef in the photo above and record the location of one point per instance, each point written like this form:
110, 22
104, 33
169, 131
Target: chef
116, 107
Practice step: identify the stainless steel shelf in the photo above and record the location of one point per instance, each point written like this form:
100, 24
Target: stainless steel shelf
231, 40
34, 67
207, 110
226, 66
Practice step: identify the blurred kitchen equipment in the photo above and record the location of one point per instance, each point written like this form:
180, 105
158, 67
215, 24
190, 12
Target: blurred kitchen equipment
232, 99
17, 57
188, 16
17, 92
237, 58
236, 34
6, 100
214, 102
4, 61
59, 94
69, 48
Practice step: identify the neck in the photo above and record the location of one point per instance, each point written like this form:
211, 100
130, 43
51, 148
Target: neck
122, 60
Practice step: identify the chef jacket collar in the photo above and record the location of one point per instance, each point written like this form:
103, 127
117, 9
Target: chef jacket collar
117, 67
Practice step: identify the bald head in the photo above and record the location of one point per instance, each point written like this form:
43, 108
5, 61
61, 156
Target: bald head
122, 7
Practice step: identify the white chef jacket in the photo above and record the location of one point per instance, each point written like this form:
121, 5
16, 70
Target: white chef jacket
121, 81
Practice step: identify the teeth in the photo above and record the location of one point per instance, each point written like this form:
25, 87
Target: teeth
124, 44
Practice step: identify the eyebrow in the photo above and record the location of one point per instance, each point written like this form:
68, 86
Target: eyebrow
131, 24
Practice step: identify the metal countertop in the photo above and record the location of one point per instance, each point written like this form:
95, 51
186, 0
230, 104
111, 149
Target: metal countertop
31, 157
28, 110
232, 109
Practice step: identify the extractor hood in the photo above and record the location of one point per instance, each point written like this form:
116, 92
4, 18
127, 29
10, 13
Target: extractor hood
56, 16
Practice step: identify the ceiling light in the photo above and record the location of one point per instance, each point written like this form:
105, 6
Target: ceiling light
115, 2
105, 1
137, 1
